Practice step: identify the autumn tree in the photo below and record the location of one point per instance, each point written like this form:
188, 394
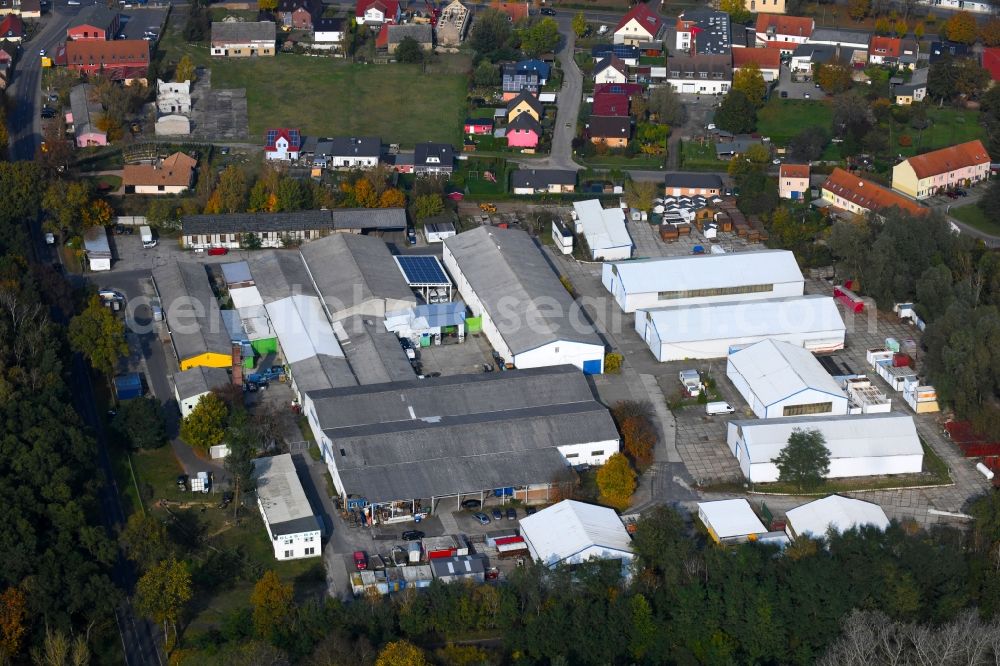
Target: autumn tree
961, 27
272, 605
184, 70
392, 198
736, 9
59, 649
901, 28
858, 9
244, 438
162, 593
99, 336
919, 30
231, 190
638, 440
401, 653
64, 202
364, 194
750, 82
267, 5
427, 205
13, 614
616, 481
205, 426
833, 78
805, 461
990, 32
580, 24
882, 25
639, 194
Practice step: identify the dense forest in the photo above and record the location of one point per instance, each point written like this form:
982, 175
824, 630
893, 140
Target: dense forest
57, 555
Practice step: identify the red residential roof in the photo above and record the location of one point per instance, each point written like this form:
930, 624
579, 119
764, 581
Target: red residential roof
644, 16
991, 61
293, 137
117, 53
887, 47
11, 26
867, 194
797, 26
515, 10
387, 7
382, 40
794, 171
610, 104
948, 159
765, 58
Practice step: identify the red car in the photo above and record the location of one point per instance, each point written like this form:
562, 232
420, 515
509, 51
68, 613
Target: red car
360, 560
218, 251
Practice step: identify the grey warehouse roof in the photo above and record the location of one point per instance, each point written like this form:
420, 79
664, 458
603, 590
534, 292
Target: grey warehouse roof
373, 352
192, 310
279, 274
349, 270
464, 433
504, 264
199, 380
341, 219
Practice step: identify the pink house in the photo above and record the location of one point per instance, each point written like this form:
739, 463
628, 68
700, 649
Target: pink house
523, 132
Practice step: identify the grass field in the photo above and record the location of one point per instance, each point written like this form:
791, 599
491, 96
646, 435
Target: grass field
330, 97
782, 119
974, 216
700, 156
948, 127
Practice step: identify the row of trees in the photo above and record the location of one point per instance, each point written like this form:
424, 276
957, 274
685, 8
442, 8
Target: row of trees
494, 38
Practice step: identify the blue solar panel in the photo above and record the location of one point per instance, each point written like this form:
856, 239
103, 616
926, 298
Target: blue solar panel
422, 269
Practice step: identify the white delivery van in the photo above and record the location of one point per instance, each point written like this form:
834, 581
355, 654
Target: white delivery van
714, 408
146, 235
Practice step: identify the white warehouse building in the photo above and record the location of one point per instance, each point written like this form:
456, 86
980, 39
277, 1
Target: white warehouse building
714, 329
604, 229
778, 379
700, 279
293, 527
572, 532
527, 315
859, 445
835, 512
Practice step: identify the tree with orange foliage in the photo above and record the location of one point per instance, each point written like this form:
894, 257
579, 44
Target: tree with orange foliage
98, 213
364, 194
961, 27
392, 198
990, 32
13, 609
638, 440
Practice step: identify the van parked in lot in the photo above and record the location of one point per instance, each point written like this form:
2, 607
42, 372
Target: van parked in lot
715, 408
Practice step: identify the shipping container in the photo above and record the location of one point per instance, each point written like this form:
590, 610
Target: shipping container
849, 299
901, 360
128, 386
892, 344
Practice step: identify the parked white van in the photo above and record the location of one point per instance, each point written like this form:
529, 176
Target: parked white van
714, 408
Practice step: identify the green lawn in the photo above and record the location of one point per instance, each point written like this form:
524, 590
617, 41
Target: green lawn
695, 155
974, 216
948, 127
330, 97
782, 119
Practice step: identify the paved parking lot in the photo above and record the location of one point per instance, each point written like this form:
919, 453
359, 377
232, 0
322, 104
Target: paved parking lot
138, 20
797, 89
457, 358
217, 114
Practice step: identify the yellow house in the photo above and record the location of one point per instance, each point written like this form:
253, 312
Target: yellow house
766, 6
191, 310
525, 102
938, 171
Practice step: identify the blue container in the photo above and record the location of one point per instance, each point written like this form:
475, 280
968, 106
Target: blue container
128, 386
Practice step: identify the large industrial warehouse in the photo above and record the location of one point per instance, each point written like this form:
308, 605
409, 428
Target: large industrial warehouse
527, 315
715, 329
193, 317
860, 445
779, 380
460, 435
700, 279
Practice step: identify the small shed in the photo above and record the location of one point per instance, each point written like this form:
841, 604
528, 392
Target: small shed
730, 521
95, 242
459, 568
437, 232
191, 385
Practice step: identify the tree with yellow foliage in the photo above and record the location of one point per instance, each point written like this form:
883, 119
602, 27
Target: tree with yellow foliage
750, 82
616, 481
401, 653
392, 198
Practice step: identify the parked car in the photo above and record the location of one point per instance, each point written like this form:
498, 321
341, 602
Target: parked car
784, 94
407, 346
360, 560
50, 238
227, 498
951, 195
218, 251
411, 235
805, 95
530, 510
413, 535
482, 518
714, 408
497, 514
547, 11
471, 504
182, 481
48, 112
511, 513
961, 193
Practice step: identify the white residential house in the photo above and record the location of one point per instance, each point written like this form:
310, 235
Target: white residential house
355, 152
778, 379
328, 32
292, 526
610, 70
640, 25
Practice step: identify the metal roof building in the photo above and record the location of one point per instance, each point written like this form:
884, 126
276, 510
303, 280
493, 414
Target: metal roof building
356, 275
604, 229
461, 434
859, 445
731, 521
835, 512
191, 385
698, 279
572, 532
778, 379
527, 314
713, 330
197, 332
293, 527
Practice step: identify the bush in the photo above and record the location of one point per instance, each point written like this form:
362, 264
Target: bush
613, 363
905, 140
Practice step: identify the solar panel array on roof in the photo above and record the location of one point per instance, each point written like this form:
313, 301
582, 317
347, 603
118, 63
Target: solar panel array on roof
271, 136
422, 271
